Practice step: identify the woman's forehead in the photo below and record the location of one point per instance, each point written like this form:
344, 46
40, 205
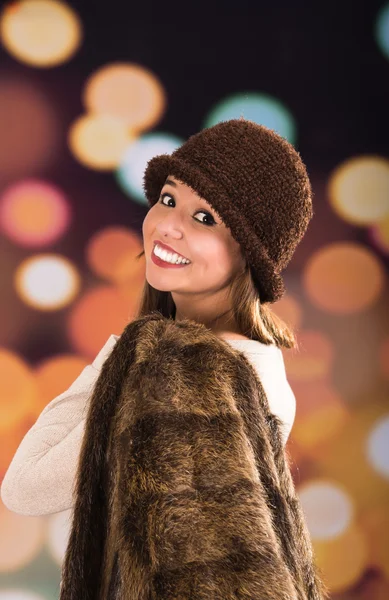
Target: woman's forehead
174, 182
171, 180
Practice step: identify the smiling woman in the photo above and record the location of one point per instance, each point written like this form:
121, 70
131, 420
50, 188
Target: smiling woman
218, 286
182, 224
186, 403
216, 201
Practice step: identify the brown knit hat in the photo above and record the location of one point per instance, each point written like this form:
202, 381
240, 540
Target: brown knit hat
258, 185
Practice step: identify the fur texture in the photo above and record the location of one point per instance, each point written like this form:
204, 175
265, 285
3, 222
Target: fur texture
183, 488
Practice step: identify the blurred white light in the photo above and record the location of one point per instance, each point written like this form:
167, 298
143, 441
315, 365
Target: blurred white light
19, 594
47, 282
58, 532
378, 447
135, 159
327, 507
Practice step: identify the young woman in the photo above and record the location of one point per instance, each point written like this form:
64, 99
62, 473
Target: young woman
227, 210
215, 287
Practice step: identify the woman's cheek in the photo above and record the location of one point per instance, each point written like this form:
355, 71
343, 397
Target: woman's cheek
146, 226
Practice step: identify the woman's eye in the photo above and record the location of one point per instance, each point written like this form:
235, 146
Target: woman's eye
208, 215
163, 196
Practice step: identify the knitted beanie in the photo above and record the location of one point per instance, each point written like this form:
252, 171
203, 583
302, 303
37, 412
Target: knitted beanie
258, 185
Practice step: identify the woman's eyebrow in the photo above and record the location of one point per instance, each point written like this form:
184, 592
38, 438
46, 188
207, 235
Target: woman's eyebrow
170, 182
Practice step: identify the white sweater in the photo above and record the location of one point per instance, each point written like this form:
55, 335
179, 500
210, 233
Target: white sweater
40, 478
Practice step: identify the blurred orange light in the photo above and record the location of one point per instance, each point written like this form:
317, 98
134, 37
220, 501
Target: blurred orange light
320, 414
99, 141
313, 358
34, 213
18, 390
343, 278
21, 540
41, 33
359, 190
342, 559
127, 91
344, 457
98, 314
375, 523
10, 439
55, 375
289, 310
111, 254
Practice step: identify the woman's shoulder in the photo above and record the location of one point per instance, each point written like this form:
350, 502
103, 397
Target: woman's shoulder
105, 351
238, 337
227, 335
235, 336
249, 345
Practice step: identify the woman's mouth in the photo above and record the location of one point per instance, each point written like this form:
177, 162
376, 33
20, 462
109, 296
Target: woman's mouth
167, 259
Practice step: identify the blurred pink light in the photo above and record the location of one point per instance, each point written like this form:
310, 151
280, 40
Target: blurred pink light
34, 213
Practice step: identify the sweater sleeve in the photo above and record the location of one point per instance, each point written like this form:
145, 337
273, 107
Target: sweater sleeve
41, 475
270, 367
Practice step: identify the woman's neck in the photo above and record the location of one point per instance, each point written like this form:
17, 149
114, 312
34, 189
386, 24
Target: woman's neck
223, 325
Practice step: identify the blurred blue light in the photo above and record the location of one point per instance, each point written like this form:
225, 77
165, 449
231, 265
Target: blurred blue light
260, 108
382, 30
133, 164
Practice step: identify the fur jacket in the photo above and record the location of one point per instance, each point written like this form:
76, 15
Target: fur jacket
183, 489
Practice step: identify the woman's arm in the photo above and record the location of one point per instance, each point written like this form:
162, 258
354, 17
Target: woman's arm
41, 475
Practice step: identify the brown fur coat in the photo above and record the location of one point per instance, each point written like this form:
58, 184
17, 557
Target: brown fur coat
183, 489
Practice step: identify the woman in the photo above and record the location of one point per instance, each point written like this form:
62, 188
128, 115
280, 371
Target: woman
216, 288
227, 211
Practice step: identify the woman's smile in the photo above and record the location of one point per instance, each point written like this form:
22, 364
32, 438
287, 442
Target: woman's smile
161, 259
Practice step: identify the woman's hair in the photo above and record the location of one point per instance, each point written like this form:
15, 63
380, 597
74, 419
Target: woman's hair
255, 320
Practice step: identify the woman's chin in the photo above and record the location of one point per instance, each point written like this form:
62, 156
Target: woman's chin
162, 283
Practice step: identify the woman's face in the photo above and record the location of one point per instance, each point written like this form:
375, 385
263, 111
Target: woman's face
188, 224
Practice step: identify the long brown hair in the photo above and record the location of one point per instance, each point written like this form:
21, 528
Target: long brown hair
255, 320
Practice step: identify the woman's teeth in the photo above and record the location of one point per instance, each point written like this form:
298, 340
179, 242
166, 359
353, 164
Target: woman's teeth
169, 257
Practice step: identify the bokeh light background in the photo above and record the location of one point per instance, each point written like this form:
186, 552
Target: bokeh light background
87, 96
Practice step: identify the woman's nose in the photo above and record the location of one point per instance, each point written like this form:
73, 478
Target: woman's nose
170, 225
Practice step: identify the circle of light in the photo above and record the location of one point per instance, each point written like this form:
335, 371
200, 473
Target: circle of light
343, 277
41, 33
34, 212
111, 253
127, 91
327, 507
359, 190
258, 107
98, 141
382, 30
134, 161
47, 282
378, 447
58, 531
19, 594
14, 527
